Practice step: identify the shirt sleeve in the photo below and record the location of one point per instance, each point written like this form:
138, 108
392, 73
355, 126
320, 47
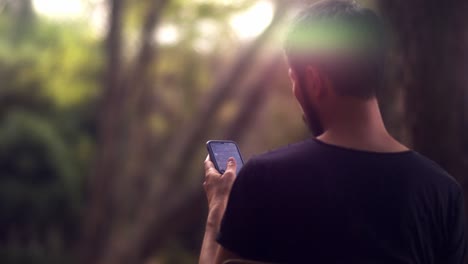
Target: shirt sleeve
457, 242
239, 231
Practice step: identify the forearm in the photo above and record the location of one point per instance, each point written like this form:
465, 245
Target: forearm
210, 246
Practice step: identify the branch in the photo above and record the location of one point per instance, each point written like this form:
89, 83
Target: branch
137, 80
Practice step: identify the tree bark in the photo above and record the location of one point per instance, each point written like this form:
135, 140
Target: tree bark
99, 207
433, 40
123, 134
138, 143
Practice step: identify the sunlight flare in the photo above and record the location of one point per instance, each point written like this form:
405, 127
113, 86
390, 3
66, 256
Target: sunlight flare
253, 21
59, 8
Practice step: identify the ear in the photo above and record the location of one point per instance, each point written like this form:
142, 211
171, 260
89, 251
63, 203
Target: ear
315, 82
294, 81
295, 85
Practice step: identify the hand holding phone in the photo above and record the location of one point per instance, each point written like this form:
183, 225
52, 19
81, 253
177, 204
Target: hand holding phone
221, 150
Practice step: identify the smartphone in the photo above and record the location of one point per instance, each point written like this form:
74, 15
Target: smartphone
221, 150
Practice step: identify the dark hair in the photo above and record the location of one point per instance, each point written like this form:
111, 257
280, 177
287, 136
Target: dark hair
344, 41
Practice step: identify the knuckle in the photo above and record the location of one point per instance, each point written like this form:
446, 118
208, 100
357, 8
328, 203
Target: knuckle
212, 171
229, 174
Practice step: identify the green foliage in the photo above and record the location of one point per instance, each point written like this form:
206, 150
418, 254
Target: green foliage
39, 186
50, 74
62, 58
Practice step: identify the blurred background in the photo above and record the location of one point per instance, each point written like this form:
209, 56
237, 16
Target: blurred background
105, 108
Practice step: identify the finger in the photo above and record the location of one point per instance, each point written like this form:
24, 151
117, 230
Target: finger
210, 169
212, 172
208, 164
231, 167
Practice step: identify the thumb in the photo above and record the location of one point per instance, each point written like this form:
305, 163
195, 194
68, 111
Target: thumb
231, 166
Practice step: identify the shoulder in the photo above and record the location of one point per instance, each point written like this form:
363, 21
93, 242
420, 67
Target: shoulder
285, 154
435, 174
279, 163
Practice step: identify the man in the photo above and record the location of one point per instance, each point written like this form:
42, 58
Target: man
352, 194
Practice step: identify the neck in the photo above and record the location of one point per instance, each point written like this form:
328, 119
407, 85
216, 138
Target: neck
361, 128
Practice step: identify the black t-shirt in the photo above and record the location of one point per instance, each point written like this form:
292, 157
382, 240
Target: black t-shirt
313, 202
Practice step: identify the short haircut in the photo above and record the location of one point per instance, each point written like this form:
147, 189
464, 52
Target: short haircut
344, 41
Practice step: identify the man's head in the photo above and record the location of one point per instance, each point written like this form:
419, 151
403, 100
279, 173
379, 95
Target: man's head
335, 51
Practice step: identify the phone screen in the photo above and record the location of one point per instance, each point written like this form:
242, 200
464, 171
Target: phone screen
222, 151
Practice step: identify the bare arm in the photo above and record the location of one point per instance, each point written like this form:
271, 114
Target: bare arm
217, 188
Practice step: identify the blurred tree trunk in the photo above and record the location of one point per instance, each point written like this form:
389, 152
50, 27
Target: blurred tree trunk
100, 206
124, 138
21, 12
433, 40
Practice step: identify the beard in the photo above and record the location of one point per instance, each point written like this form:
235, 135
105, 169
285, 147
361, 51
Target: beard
310, 114
312, 122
